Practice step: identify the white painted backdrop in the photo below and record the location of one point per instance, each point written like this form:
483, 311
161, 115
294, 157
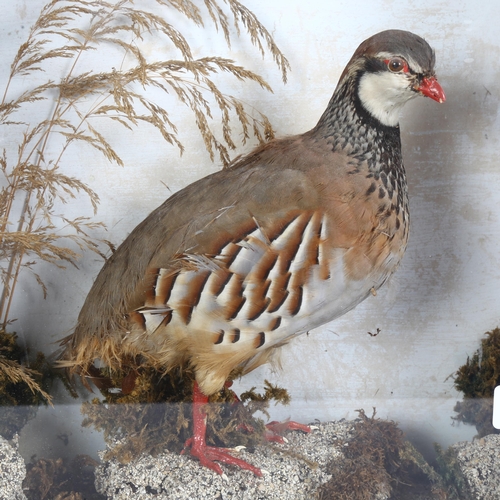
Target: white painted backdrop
446, 293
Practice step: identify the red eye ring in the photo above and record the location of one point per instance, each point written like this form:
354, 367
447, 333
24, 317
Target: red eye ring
397, 65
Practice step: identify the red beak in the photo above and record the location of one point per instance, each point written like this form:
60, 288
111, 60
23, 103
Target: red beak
431, 88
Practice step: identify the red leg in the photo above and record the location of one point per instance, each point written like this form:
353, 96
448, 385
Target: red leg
199, 449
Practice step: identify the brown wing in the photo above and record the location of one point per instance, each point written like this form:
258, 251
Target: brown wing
198, 219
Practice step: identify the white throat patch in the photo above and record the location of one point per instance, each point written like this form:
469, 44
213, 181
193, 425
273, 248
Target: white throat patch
384, 94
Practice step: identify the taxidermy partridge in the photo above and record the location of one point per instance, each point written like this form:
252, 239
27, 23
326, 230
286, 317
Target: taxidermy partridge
291, 236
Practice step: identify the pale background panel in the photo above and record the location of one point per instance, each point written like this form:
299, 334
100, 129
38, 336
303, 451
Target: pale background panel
446, 293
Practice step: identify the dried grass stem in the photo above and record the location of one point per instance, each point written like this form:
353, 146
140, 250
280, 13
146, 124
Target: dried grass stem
77, 102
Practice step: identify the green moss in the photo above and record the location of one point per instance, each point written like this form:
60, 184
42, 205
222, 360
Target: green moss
450, 471
156, 414
60, 479
477, 379
378, 460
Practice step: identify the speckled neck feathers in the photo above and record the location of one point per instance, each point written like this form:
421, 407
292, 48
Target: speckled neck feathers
349, 128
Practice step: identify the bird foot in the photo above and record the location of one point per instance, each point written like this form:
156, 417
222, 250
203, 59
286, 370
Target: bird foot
275, 429
207, 454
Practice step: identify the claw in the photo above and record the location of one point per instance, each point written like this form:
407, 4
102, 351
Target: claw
207, 456
275, 430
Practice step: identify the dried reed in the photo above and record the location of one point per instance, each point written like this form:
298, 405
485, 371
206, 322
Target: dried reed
66, 30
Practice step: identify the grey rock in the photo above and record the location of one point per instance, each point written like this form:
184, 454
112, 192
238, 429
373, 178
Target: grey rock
287, 476
12, 471
292, 471
479, 464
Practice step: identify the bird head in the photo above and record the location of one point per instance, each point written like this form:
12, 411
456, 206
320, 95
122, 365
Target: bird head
389, 69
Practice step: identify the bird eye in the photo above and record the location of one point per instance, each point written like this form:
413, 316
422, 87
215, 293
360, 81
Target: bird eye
397, 64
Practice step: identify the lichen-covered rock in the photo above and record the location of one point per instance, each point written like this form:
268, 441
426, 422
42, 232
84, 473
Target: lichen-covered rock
12, 471
291, 471
364, 459
479, 465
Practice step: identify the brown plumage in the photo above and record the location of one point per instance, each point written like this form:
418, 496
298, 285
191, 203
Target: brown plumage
291, 236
